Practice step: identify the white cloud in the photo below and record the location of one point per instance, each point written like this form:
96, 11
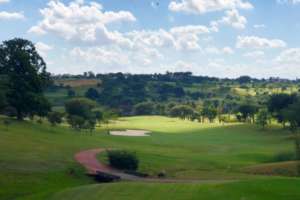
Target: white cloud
204, 6
4, 1
43, 48
258, 26
289, 56
99, 55
254, 54
254, 42
183, 66
215, 50
81, 22
231, 18
187, 37
11, 15
179, 37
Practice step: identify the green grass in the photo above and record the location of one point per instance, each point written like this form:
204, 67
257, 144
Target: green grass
36, 160
277, 189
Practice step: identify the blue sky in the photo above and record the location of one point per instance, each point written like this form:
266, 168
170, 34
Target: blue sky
223, 38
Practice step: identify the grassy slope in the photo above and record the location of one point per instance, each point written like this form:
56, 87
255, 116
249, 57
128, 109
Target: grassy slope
37, 160
277, 189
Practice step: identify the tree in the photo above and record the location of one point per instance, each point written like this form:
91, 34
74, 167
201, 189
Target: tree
247, 111
277, 103
291, 114
144, 108
244, 79
55, 118
209, 113
92, 93
71, 92
80, 113
182, 111
263, 118
3, 92
27, 77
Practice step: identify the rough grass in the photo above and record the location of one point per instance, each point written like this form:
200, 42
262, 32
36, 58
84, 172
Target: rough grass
288, 168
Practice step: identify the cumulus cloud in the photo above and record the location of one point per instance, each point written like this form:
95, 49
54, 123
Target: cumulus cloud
11, 15
254, 42
205, 6
80, 21
43, 48
99, 55
289, 56
232, 18
254, 54
179, 37
187, 37
215, 50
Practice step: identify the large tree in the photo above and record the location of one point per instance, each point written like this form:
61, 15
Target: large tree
27, 77
278, 102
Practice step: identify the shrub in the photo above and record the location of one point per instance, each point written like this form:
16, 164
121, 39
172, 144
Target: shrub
55, 118
123, 160
284, 156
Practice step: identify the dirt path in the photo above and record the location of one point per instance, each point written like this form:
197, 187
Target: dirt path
88, 159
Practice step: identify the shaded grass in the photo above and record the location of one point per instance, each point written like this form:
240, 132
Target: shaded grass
279, 189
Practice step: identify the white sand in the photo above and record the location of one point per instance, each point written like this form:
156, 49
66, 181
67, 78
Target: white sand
130, 133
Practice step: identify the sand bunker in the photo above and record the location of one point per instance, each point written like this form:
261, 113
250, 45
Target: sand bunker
130, 133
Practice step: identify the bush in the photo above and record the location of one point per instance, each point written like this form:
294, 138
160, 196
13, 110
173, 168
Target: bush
123, 160
55, 118
284, 156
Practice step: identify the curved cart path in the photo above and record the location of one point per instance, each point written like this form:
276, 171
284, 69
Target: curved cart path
88, 159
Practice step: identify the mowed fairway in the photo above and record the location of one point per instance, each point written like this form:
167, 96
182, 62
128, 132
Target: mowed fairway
36, 161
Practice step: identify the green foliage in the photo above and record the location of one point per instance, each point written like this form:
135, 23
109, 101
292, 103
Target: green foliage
26, 73
247, 111
263, 118
80, 113
284, 156
144, 108
291, 114
278, 102
71, 92
123, 160
92, 94
209, 113
80, 107
182, 111
55, 118
76, 122
3, 92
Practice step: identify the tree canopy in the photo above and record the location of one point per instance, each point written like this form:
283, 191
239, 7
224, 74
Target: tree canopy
27, 77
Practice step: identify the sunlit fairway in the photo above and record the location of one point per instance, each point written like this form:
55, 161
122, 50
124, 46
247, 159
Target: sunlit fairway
36, 160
